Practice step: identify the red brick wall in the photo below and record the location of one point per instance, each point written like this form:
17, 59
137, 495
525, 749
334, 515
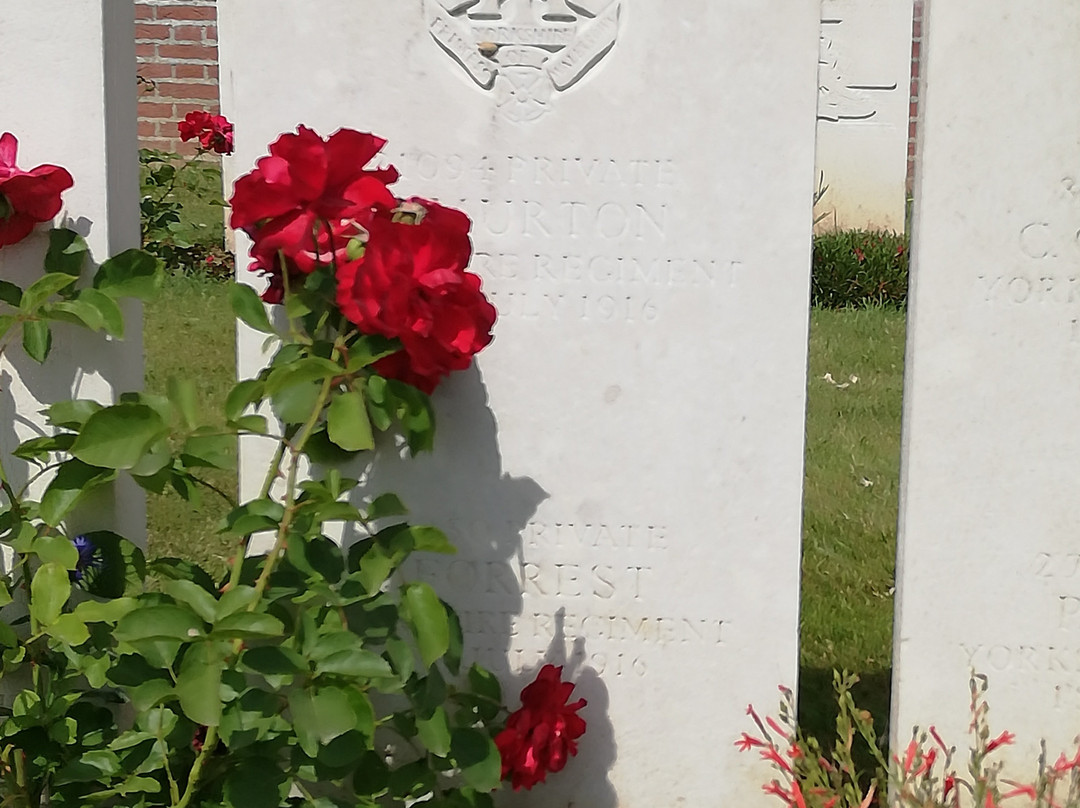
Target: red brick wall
176, 49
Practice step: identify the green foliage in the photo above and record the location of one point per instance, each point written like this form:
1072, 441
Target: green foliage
857, 268
181, 214
290, 671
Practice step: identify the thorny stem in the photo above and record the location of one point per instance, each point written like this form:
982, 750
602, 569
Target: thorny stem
36, 476
290, 490
196, 768
272, 472
210, 486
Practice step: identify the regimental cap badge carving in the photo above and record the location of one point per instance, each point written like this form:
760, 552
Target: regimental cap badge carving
524, 52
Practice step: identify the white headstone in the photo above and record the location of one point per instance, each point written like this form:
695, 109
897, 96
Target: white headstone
989, 567
622, 471
67, 92
863, 110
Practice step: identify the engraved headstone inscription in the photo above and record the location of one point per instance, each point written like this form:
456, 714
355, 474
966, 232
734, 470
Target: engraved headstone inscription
66, 93
988, 577
621, 470
863, 108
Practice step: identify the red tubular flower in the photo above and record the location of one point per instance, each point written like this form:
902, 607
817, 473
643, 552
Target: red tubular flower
797, 795
214, 132
1004, 739
779, 729
937, 738
411, 285
542, 735
909, 755
1027, 790
949, 784
746, 742
770, 754
305, 180
26, 197
774, 789
927, 763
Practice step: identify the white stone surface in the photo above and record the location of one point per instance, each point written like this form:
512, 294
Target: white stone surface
863, 106
67, 79
988, 574
622, 470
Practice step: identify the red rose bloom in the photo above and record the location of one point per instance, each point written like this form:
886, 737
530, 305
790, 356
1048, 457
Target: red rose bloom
411, 285
542, 735
304, 187
26, 197
215, 132
329, 248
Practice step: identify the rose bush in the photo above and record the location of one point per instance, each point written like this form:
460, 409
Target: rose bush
163, 175
398, 268
308, 669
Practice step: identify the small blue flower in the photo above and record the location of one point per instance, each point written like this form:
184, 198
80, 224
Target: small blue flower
89, 561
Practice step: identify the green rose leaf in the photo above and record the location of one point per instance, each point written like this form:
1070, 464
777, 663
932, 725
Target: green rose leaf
434, 732
10, 293
193, 595
42, 289
37, 339
210, 450
320, 716
150, 693
72, 414
112, 318
199, 684
294, 404
386, 505
241, 396
369, 349
431, 540
163, 622
67, 252
256, 783
248, 625
49, 591
104, 611
426, 615
259, 514
132, 273
356, 663
348, 424
484, 683
38, 449
235, 599
76, 312
74, 480
247, 305
57, 550
299, 371
274, 660
185, 399
70, 629
97, 764
478, 758
117, 437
